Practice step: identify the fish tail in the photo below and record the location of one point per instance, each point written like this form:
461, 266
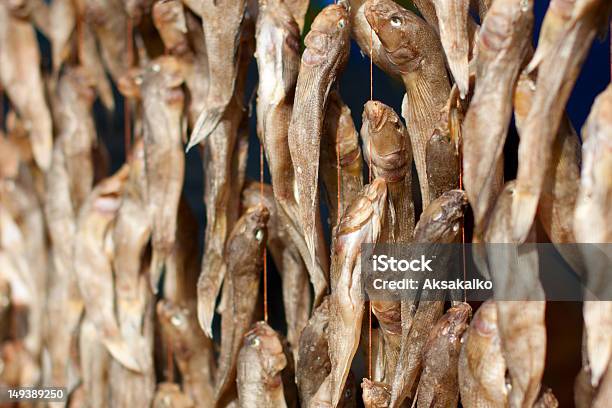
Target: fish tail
158, 261
205, 125
205, 314
121, 352
524, 207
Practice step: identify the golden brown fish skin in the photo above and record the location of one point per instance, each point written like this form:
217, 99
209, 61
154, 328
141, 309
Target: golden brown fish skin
326, 54
93, 265
222, 21
439, 383
340, 144
439, 223
453, 17
169, 395
77, 132
163, 102
91, 60
63, 15
503, 44
63, 296
224, 158
442, 153
388, 150
169, 19
556, 76
260, 362
560, 191
286, 257
593, 204
23, 83
375, 394
108, 21
546, 399
313, 363
414, 48
521, 308
20, 369
94, 364
193, 351
362, 223
244, 254
482, 366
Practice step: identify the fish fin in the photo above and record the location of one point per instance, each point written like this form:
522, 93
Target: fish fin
205, 125
524, 207
121, 352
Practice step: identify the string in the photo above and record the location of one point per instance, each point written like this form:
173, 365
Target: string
370, 181
127, 113
463, 256
265, 251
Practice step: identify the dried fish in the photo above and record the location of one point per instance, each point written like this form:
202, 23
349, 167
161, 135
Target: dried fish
260, 362
439, 383
340, 153
482, 366
244, 252
521, 308
453, 19
91, 60
546, 399
163, 130
362, 223
556, 76
22, 80
222, 21
77, 132
193, 351
326, 54
95, 362
415, 49
169, 19
224, 160
169, 395
439, 223
503, 44
63, 14
591, 220
93, 267
296, 288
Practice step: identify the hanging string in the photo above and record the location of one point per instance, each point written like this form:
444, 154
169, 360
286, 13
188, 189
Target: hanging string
265, 250
463, 255
127, 111
370, 181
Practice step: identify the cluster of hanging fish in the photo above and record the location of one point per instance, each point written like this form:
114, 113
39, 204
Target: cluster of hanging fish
82, 252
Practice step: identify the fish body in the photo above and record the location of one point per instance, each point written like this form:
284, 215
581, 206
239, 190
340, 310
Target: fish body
163, 102
169, 19
169, 395
326, 54
482, 366
341, 159
193, 351
77, 136
557, 75
503, 44
439, 383
260, 362
222, 22
591, 218
413, 47
375, 394
362, 223
244, 252
22, 80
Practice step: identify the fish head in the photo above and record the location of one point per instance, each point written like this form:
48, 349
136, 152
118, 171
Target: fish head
169, 19
375, 394
485, 321
82, 82
173, 315
328, 37
267, 343
386, 141
164, 76
277, 49
440, 222
397, 29
453, 324
250, 233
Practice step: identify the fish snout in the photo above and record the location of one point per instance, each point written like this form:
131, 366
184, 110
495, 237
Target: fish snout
374, 113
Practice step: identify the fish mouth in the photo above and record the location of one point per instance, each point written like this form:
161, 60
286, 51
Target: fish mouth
374, 112
377, 13
260, 215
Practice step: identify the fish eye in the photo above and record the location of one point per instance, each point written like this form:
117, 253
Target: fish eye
396, 21
259, 235
341, 23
